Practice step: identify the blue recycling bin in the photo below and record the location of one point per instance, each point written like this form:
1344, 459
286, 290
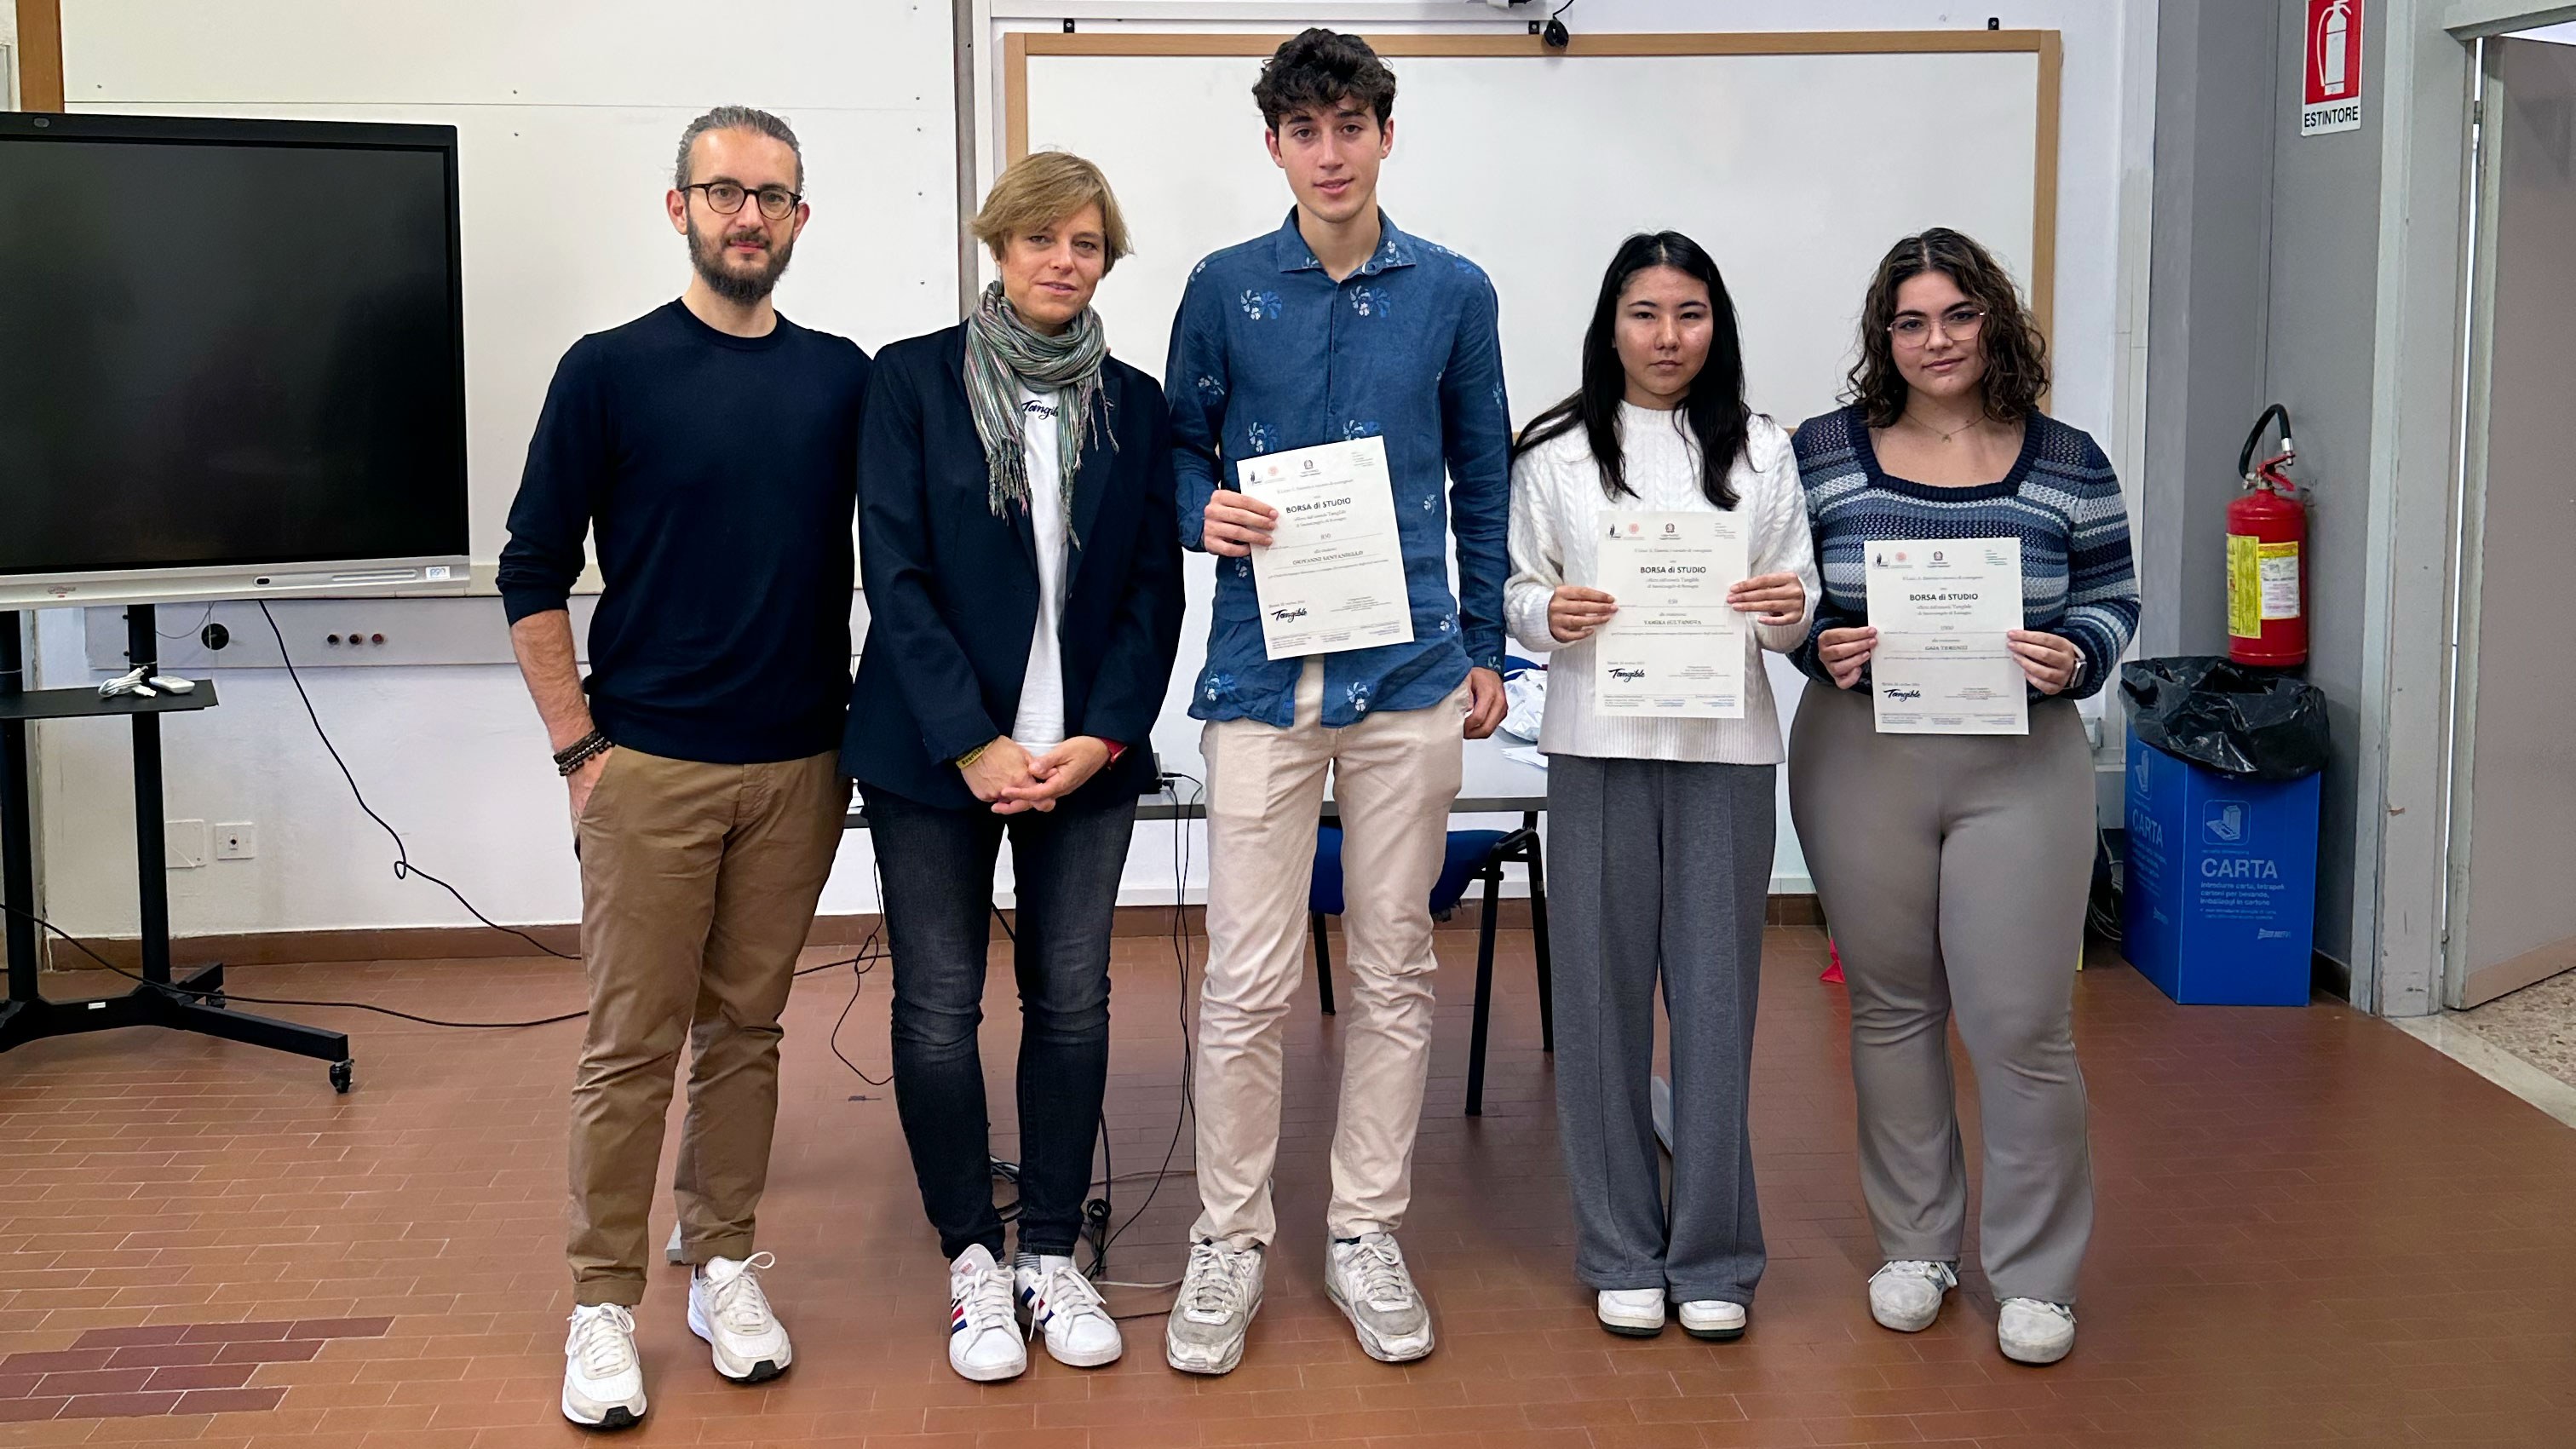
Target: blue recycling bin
2220, 900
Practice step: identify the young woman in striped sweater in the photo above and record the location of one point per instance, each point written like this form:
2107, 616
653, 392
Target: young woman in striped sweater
1953, 868
1660, 828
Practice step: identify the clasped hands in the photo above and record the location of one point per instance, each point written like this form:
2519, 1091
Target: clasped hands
1007, 777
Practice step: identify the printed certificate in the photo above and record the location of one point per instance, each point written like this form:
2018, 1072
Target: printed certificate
1942, 608
1675, 648
1333, 575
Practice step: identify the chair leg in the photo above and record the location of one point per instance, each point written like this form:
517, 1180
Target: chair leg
1323, 962
1546, 972
1484, 995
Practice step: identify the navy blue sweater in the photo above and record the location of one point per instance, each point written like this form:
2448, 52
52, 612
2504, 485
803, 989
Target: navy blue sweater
719, 474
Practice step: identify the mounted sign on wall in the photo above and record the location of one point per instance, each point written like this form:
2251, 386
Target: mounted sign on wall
2333, 68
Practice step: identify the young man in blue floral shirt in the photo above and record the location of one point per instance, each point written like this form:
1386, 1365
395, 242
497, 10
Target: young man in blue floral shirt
1335, 327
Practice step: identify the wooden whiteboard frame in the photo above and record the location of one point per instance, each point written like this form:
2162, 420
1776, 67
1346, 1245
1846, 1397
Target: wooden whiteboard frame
1019, 45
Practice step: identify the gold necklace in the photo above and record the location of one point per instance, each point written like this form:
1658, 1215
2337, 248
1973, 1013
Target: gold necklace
1936, 432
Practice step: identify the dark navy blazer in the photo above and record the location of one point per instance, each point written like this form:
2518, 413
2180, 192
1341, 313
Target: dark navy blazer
952, 590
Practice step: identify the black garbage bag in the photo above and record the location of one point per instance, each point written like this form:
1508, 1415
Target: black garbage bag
2239, 721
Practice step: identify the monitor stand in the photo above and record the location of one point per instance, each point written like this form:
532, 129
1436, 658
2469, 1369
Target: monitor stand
194, 1002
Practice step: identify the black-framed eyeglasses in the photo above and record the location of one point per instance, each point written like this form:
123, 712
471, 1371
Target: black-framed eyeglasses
1960, 322
725, 198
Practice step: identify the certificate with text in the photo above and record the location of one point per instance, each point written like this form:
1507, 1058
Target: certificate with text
1676, 647
1333, 575
1942, 608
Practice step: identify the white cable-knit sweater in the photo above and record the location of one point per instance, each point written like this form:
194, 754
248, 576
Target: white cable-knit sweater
1557, 512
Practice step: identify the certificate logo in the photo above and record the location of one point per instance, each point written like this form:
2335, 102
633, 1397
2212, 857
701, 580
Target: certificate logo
1626, 674
1901, 692
1936, 556
1289, 612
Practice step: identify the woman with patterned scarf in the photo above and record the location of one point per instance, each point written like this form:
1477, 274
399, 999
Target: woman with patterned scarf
1022, 566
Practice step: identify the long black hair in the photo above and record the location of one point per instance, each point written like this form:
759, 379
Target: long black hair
1713, 408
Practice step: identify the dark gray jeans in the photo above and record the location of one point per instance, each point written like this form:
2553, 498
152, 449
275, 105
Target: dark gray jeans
1659, 868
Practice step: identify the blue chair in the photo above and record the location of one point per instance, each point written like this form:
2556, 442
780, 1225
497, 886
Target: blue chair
1473, 855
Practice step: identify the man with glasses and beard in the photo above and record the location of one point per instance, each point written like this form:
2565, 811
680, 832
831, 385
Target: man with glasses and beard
710, 447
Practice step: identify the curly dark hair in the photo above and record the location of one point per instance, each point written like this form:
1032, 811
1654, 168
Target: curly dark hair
1319, 69
2016, 354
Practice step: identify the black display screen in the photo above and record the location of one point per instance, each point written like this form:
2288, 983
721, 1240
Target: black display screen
227, 342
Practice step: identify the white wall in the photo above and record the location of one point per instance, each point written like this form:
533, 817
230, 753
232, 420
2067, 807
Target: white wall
453, 756
568, 112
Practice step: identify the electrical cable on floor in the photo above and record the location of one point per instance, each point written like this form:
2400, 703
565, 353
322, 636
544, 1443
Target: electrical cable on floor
173, 988
1171, 783
403, 868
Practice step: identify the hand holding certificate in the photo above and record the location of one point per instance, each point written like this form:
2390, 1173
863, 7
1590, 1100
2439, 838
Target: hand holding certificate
1676, 646
1943, 609
1332, 577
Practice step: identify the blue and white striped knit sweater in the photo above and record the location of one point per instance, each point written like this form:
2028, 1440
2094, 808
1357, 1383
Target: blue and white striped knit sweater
2061, 499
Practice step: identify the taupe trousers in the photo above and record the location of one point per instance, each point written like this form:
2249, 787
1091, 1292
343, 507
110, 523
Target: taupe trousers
1953, 871
698, 886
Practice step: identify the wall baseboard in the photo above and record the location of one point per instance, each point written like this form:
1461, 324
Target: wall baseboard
469, 943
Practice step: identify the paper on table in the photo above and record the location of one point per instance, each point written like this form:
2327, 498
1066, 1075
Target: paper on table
1333, 576
1942, 607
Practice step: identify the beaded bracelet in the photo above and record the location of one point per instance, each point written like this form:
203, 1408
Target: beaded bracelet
581, 752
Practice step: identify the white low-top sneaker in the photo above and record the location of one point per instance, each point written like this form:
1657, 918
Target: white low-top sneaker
984, 1342
1220, 1293
1367, 1280
2034, 1332
1630, 1312
1713, 1318
728, 1310
1062, 1305
1906, 1294
603, 1385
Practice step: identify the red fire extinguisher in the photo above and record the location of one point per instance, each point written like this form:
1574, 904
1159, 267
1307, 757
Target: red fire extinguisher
2267, 561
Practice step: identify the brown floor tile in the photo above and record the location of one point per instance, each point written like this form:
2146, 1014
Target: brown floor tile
2311, 1230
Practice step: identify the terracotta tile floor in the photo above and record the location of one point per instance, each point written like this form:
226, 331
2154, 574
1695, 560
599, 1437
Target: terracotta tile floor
2313, 1229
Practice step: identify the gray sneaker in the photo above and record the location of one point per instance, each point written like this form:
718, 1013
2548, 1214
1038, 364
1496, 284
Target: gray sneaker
1220, 1292
1367, 1280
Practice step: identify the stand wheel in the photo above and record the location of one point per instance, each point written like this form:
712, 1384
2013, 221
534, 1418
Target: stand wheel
343, 1073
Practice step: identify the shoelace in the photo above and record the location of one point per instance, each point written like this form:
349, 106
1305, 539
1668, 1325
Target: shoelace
738, 1300
1212, 1290
603, 1339
1067, 1293
1917, 1268
985, 1298
2060, 1309
1383, 1281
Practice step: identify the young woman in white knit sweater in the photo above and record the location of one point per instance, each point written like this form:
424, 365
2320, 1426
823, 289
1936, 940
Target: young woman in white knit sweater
1660, 827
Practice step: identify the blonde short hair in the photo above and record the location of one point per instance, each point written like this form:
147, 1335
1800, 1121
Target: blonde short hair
1045, 187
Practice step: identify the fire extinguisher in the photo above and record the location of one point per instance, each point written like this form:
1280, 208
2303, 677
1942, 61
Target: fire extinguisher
2267, 563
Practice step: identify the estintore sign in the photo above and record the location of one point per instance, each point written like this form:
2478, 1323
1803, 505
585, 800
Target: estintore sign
2333, 64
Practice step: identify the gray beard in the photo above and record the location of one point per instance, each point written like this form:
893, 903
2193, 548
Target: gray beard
738, 287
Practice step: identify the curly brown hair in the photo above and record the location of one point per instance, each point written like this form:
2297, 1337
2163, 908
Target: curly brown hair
1318, 70
2016, 354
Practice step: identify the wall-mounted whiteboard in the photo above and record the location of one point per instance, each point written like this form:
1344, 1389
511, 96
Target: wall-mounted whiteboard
1796, 158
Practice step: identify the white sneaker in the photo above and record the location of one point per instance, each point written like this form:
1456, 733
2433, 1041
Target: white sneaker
984, 1342
1220, 1293
1906, 1294
728, 1310
1630, 1312
1367, 1280
2031, 1331
603, 1384
1062, 1304
1713, 1319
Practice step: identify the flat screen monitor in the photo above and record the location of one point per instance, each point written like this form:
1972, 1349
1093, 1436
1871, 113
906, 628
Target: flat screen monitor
232, 359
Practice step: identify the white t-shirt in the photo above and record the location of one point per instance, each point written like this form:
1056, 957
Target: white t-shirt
1040, 726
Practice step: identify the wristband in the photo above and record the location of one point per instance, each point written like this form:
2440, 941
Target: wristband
1115, 750
581, 752
967, 760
